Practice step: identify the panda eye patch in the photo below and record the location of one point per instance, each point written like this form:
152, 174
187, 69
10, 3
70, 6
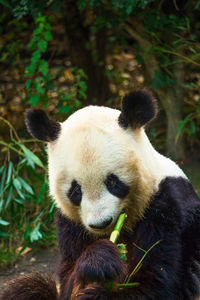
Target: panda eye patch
75, 193
115, 186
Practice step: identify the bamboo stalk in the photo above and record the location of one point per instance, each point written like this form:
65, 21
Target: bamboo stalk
116, 232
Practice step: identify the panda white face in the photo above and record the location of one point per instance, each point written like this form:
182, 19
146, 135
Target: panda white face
91, 168
101, 162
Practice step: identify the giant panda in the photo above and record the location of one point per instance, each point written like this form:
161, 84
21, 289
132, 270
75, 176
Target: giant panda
101, 163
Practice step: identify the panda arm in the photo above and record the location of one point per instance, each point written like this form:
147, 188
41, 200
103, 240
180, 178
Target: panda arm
171, 270
157, 277
191, 256
84, 260
191, 247
72, 241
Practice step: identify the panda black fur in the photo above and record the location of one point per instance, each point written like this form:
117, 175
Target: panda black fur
100, 164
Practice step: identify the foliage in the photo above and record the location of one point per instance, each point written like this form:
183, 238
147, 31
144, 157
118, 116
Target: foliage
9, 44
40, 81
23, 197
190, 125
70, 101
24, 7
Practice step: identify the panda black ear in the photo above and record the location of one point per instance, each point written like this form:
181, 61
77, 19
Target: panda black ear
40, 126
138, 108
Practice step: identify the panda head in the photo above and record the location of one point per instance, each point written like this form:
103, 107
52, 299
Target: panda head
100, 161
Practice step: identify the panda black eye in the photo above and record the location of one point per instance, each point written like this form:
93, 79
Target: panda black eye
75, 193
115, 186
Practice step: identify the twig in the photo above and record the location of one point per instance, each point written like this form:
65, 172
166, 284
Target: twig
139, 264
11, 127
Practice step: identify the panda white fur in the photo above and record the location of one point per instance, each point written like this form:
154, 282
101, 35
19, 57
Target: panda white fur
101, 163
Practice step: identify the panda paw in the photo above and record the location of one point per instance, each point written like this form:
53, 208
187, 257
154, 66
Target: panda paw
92, 291
99, 263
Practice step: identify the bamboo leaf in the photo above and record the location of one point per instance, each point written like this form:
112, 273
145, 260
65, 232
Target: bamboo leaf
31, 157
17, 185
1, 204
9, 196
4, 223
26, 186
9, 173
36, 234
41, 193
2, 182
1, 169
4, 234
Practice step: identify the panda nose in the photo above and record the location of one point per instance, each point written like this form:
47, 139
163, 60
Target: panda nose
101, 225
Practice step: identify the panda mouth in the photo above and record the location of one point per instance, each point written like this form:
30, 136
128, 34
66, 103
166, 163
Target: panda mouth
102, 232
105, 228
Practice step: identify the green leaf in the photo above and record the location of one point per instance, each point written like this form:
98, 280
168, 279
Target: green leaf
28, 84
182, 125
9, 174
19, 201
161, 80
33, 42
36, 234
129, 7
43, 67
47, 26
31, 157
35, 56
53, 206
1, 169
26, 186
4, 223
65, 109
9, 196
2, 182
81, 4
42, 192
5, 3
38, 83
1, 204
82, 94
42, 45
197, 5
48, 36
34, 99
30, 69
190, 85
49, 85
40, 19
192, 128
82, 85
17, 185
39, 89
4, 234
27, 232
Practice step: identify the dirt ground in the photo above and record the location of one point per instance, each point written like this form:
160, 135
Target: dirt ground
44, 261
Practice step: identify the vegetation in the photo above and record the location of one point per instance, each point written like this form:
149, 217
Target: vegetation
62, 55
24, 203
